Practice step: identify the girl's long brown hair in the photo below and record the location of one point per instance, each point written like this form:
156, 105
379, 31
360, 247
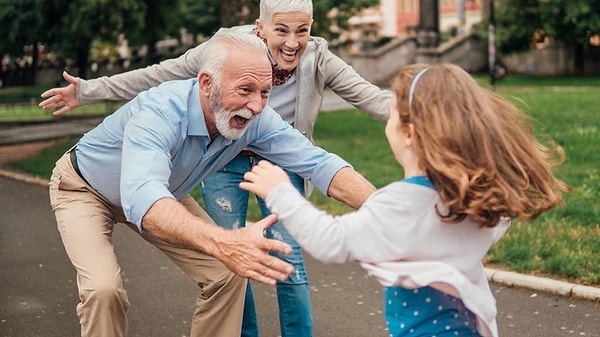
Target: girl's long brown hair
477, 148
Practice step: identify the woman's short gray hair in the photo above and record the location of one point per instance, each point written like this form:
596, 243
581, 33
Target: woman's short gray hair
216, 50
270, 7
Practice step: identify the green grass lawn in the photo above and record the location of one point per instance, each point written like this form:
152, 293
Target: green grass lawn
563, 243
31, 112
21, 103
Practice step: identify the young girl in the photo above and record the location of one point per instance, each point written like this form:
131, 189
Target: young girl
470, 163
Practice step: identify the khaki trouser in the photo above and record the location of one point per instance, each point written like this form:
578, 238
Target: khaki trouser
85, 221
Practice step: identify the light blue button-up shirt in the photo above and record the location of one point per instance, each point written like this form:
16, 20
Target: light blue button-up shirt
157, 145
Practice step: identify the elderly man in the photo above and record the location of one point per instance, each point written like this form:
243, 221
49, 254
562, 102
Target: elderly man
138, 166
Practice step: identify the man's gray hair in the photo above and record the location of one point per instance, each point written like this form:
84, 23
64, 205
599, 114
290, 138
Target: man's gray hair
270, 7
216, 50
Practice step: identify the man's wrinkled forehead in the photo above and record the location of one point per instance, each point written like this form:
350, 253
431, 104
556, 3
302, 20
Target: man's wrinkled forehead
250, 66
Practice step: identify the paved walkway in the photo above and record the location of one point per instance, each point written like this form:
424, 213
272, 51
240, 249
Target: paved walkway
38, 289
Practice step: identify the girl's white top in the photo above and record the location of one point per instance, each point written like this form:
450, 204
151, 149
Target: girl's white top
400, 240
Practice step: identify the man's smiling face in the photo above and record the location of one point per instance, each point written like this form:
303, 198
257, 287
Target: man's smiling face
242, 92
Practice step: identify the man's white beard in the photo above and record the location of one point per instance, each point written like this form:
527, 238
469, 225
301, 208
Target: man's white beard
223, 116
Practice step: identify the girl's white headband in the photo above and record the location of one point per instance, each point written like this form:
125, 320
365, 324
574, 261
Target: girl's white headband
413, 85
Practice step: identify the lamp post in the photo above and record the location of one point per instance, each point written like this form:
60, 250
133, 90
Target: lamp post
492, 45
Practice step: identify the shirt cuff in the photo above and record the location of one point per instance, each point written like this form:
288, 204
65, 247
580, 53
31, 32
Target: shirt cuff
326, 170
137, 203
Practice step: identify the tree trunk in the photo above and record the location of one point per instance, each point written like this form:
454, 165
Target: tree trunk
579, 59
238, 12
83, 57
152, 19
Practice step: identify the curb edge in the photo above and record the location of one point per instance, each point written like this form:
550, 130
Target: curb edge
556, 287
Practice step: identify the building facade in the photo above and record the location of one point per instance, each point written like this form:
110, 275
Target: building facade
393, 18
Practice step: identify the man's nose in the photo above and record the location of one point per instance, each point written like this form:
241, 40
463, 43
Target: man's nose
256, 103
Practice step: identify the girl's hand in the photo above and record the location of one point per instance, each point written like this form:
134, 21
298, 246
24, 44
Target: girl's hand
263, 178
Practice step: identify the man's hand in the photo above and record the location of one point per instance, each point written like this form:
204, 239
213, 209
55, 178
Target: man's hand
263, 178
245, 251
65, 97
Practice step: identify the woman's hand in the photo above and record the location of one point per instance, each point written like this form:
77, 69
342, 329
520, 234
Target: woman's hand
64, 98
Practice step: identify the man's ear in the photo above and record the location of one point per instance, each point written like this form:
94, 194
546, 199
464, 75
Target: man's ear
206, 82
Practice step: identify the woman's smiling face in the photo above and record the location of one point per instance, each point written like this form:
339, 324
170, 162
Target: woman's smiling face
287, 36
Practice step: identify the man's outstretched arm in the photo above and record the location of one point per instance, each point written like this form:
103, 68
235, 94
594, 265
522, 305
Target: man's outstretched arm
244, 251
350, 187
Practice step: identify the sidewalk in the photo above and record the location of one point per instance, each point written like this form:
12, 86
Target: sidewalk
38, 291
22, 141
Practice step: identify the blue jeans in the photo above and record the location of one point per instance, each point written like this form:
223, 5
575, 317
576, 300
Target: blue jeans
227, 204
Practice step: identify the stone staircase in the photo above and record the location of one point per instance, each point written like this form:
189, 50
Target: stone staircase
378, 66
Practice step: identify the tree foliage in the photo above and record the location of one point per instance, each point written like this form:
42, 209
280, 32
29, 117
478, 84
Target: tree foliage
342, 10
520, 23
70, 27
75, 24
20, 24
201, 16
518, 37
161, 19
238, 12
568, 21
